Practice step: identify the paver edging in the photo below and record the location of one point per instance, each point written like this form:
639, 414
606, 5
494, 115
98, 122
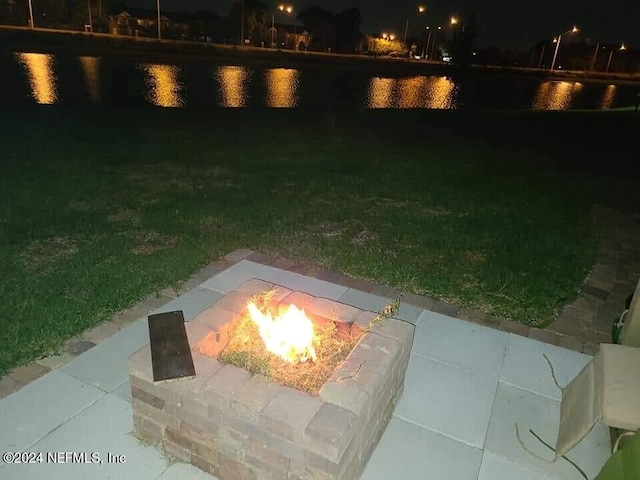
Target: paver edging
25, 374
428, 303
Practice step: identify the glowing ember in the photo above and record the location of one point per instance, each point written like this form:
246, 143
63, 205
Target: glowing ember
289, 335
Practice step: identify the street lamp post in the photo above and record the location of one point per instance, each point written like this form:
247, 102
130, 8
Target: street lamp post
159, 27
421, 9
90, 19
595, 56
555, 54
425, 50
31, 16
622, 47
541, 54
453, 21
285, 9
433, 44
242, 22
406, 30
273, 29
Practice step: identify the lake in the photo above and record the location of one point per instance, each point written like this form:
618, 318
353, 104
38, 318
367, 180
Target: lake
120, 81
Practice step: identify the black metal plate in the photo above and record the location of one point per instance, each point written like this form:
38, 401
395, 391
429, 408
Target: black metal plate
170, 352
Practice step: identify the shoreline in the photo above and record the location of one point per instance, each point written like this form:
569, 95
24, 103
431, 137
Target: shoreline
14, 39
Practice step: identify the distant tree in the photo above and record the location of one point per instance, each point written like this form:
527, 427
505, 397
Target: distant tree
13, 12
204, 24
340, 32
320, 24
381, 46
463, 41
80, 15
512, 57
490, 56
250, 7
50, 12
256, 25
348, 34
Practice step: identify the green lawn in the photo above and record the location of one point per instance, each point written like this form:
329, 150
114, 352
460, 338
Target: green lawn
491, 211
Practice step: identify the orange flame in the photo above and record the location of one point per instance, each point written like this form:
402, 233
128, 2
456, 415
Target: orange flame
288, 335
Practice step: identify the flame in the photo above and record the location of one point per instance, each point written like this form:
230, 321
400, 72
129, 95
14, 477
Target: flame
288, 335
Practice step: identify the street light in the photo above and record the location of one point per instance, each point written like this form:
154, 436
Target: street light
425, 50
284, 9
453, 21
241, 22
31, 15
542, 53
595, 56
158, 5
555, 54
433, 44
622, 47
90, 19
421, 9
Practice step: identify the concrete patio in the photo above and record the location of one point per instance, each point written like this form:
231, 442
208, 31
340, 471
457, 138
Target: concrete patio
466, 387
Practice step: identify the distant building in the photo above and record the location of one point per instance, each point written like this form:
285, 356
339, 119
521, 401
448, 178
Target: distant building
143, 22
288, 37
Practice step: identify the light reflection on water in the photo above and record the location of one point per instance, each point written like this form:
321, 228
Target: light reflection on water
440, 93
380, 92
42, 79
553, 95
282, 87
164, 88
411, 92
100, 80
234, 82
91, 72
607, 98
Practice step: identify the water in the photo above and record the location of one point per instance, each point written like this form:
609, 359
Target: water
122, 81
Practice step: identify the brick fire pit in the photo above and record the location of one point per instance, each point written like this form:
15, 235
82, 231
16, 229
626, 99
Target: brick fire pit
238, 426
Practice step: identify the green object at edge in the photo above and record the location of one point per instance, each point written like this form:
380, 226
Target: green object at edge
625, 463
616, 331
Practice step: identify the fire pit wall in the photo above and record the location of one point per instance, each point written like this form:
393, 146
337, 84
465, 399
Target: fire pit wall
238, 426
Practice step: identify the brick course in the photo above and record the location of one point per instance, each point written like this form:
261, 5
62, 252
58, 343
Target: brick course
238, 426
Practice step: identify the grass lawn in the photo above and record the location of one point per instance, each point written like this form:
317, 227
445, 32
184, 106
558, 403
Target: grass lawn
491, 211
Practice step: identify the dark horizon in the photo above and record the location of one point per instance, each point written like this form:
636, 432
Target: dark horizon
502, 24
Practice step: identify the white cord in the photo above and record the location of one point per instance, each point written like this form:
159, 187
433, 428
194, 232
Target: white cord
617, 444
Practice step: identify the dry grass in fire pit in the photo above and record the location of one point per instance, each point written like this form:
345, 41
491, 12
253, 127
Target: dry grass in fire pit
246, 349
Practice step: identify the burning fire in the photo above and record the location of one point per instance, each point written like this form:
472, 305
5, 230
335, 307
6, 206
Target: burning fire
288, 335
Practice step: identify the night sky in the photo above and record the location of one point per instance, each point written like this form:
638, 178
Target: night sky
506, 23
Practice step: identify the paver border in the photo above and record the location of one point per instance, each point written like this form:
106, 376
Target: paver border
428, 303
565, 338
